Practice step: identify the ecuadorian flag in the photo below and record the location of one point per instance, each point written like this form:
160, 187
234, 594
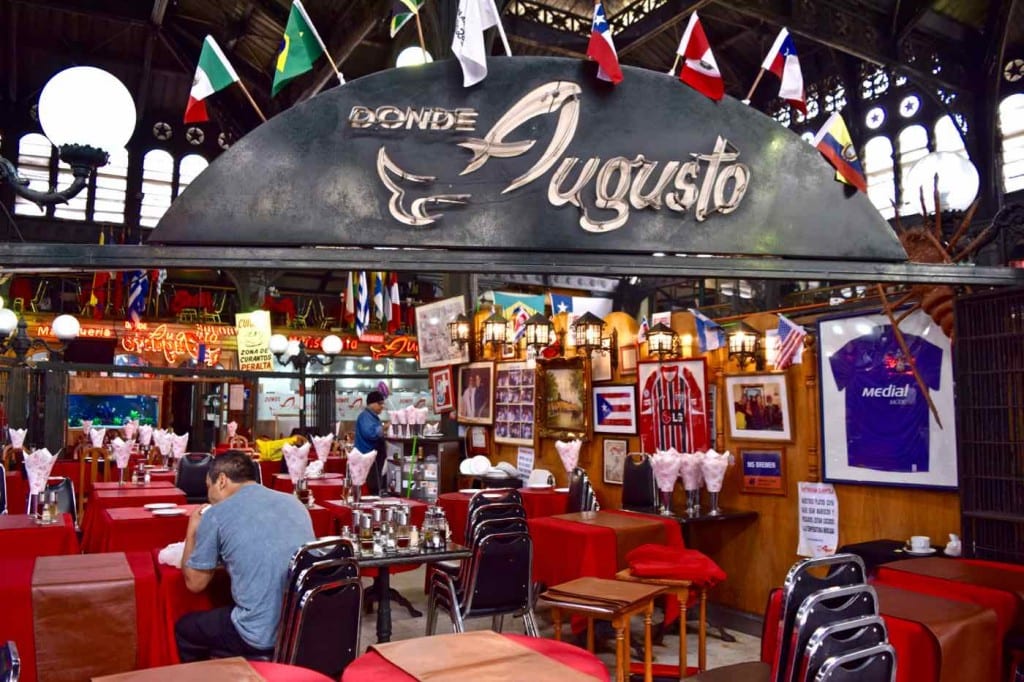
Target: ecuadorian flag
833, 141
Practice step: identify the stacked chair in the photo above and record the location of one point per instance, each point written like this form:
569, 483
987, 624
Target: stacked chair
10, 663
639, 491
581, 494
496, 579
830, 630
322, 609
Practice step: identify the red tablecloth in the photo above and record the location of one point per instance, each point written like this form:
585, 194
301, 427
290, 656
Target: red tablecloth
162, 477
16, 622
279, 672
536, 503
22, 538
327, 487
128, 496
372, 667
341, 511
176, 600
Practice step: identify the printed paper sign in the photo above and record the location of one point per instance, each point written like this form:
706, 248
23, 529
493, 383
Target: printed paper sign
524, 461
818, 511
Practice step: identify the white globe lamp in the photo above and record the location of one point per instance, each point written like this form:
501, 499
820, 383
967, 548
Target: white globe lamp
958, 181
66, 327
413, 55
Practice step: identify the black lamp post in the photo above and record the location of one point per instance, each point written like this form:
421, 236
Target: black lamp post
14, 336
294, 354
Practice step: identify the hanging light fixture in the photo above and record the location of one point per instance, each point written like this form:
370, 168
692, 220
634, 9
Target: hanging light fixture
459, 330
494, 329
539, 332
745, 346
586, 332
662, 340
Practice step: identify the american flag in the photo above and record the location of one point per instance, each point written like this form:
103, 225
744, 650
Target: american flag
615, 408
791, 340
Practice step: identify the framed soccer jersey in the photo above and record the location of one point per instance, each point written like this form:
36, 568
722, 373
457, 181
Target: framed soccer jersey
674, 406
877, 424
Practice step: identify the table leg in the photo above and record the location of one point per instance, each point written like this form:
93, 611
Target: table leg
627, 645
684, 597
383, 604
648, 656
556, 617
702, 634
621, 654
590, 635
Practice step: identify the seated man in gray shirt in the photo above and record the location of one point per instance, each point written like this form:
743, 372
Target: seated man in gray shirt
253, 531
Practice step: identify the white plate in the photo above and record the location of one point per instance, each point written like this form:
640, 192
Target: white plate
177, 511
390, 502
537, 486
159, 470
159, 505
561, 490
369, 498
930, 550
469, 491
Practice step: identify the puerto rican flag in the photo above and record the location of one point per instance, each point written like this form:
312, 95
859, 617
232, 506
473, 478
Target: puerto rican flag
614, 409
700, 70
783, 62
601, 48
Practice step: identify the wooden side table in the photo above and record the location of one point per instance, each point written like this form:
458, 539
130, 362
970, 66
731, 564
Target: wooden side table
681, 589
612, 600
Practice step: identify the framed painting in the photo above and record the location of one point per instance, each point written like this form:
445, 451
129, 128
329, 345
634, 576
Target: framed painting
628, 358
476, 393
563, 398
674, 406
442, 388
759, 407
436, 347
763, 471
615, 409
514, 394
477, 441
614, 452
884, 419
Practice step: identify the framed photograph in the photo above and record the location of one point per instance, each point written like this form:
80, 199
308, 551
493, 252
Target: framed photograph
508, 351
628, 358
615, 451
436, 347
763, 471
442, 388
514, 394
878, 426
601, 365
674, 405
759, 407
477, 441
615, 409
563, 398
476, 393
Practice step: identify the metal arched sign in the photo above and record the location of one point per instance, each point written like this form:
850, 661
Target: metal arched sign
539, 157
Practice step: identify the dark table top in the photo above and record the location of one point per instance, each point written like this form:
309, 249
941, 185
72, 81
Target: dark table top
878, 552
725, 515
421, 556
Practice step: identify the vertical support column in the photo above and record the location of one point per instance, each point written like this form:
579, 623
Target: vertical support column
809, 365
55, 415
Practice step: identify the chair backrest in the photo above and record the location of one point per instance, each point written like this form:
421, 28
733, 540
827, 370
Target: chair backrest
800, 583
10, 663
877, 664
489, 527
822, 608
500, 575
93, 465
301, 579
191, 476
326, 634
321, 549
65, 490
840, 638
639, 491
504, 510
12, 456
237, 442
487, 497
3, 489
581, 494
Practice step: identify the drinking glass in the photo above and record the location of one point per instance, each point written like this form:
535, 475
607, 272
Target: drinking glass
666, 503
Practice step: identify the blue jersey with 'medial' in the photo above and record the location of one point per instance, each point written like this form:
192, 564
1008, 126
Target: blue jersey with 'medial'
887, 418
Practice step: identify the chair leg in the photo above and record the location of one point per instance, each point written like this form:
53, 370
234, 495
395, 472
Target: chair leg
530, 621
431, 613
497, 622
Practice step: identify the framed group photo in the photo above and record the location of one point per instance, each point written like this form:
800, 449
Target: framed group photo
674, 406
435, 345
878, 425
615, 409
476, 393
614, 452
514, 403
442, 388
758, 407
563, 398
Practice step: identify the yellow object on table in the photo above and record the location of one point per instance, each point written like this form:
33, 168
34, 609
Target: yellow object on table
273, 450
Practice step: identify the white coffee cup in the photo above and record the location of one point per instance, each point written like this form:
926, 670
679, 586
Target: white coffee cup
920, 543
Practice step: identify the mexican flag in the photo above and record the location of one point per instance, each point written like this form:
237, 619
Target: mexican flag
213, 74
300, 47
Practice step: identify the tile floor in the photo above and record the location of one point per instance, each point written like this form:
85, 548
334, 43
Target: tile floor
745, 648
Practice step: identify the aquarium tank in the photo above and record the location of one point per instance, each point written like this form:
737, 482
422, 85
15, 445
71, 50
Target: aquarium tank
112, 410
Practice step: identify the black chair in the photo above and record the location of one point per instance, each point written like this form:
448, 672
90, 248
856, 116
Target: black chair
486, 508
497, 581
191, 476
326, 631
823, 608
581, 493
841, 638
10, 663
877, 664
3, 490
305, 573
639, 491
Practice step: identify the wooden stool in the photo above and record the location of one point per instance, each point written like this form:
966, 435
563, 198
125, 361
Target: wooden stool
612, 600
681, 589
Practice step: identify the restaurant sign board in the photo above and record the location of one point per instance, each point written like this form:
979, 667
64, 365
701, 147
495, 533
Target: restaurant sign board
539, 157
254, 340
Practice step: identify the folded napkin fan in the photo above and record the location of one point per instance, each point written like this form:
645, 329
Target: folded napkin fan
674, 563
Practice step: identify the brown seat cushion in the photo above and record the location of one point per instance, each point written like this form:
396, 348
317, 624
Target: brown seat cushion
754, 671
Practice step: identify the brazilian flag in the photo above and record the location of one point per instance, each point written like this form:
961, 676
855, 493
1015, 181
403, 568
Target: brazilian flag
300, 47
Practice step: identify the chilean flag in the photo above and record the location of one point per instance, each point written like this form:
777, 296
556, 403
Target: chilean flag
602, 49
700, 71
783, 62
615, 408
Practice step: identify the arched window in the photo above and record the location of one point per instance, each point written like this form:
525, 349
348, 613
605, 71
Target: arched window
1011, 134
947, 137
157, 176
913, 145
111, 188
34, 152
881, 176
190, 167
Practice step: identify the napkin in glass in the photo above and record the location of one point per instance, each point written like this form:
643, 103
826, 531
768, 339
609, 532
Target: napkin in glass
569, 453
297, 459
17, 437
666, 464
359, 464
96, 436
178, 444
322, 446
122, 452
38, 466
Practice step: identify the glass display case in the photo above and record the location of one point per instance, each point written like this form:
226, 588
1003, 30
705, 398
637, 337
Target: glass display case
433, 471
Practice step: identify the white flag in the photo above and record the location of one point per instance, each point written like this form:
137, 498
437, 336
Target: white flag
474, 17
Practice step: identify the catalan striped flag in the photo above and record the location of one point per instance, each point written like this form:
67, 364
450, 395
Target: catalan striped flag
791, 342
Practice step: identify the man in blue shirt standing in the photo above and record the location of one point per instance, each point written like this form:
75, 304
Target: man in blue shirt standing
253, 531
370, 436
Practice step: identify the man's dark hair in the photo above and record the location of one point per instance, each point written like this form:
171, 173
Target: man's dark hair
235, 464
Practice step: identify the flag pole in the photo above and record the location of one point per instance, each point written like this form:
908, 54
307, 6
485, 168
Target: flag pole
323, 45
252, 101
419, 30
675, 65
501, 29
754, 86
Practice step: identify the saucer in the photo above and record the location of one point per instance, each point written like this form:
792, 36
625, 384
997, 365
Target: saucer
153, 506
177, 511
926, 552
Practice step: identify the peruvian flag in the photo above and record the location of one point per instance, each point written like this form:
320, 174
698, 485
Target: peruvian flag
700, 71
783, 62
395, 307
213, 73
602, 49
